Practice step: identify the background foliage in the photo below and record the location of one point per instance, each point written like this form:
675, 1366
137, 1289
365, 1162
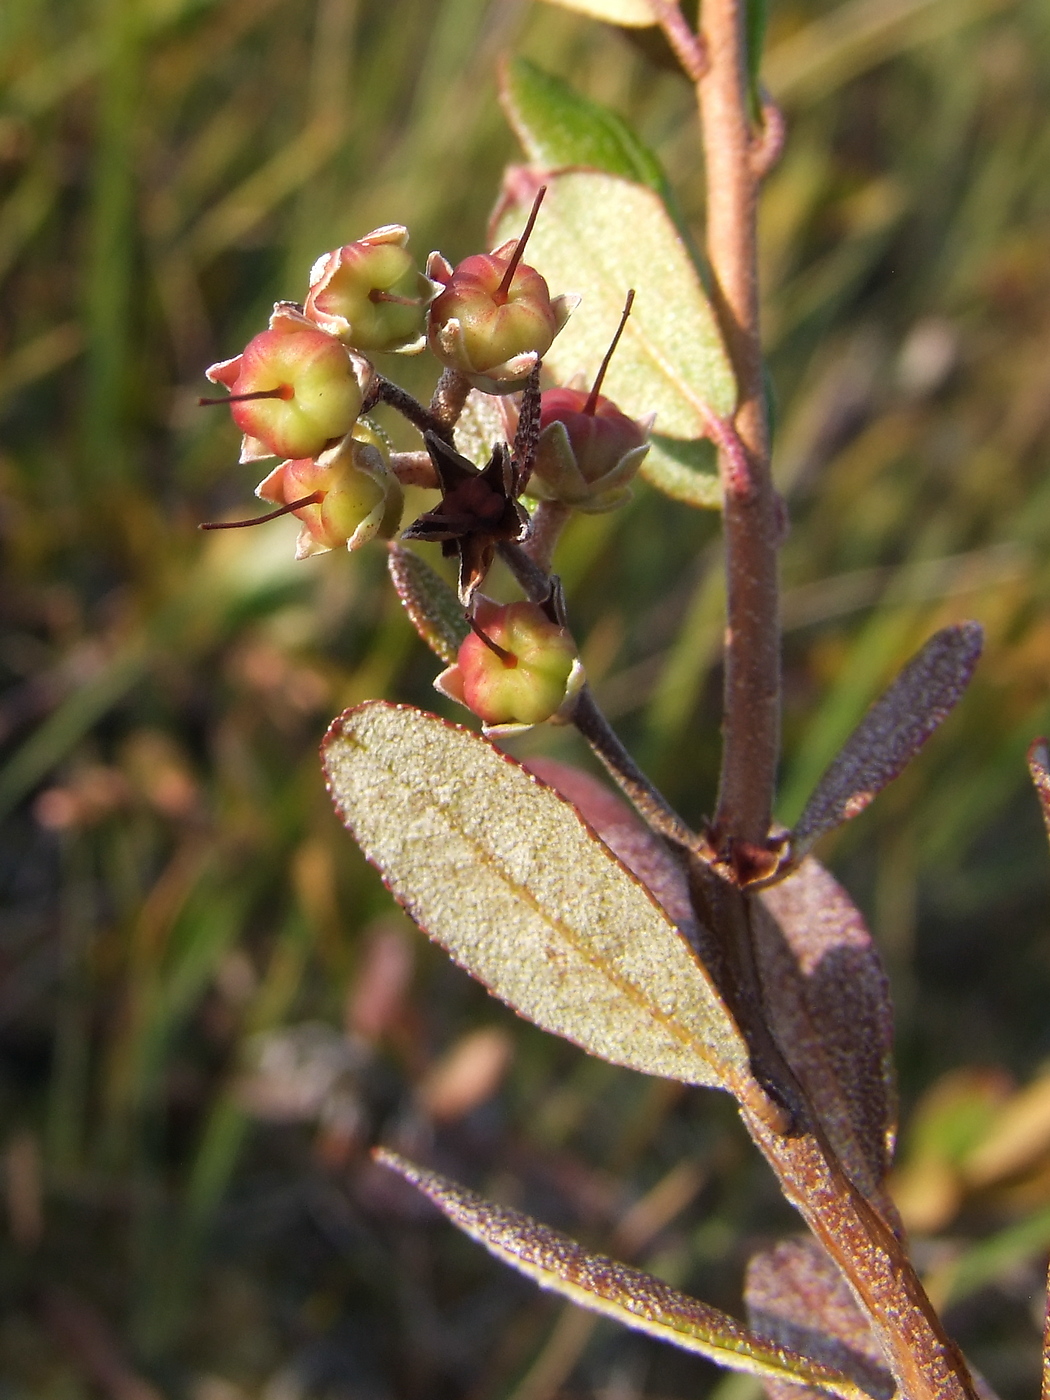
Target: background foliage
208, 1009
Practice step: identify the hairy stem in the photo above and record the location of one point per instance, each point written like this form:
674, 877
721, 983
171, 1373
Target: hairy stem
548, 521
384, 390
449, 400
751, 723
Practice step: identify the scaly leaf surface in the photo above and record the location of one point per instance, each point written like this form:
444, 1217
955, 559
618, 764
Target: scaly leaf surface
829, 1006
892, 732
432, 606
797, 1296
511, 881
628, 1295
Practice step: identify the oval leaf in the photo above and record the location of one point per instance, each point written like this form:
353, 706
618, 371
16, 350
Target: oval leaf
507, 876
892, 732
796, 1295
599, 235
432, 605
828, 1001
558, 126
634, 14
630, 1296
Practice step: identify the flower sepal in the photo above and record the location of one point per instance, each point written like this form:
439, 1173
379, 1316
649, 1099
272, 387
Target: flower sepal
587, 455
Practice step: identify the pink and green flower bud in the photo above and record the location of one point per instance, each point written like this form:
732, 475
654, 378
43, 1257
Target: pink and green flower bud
370, 295
495, 318
588, 452
523, 669
293, 389
348, 495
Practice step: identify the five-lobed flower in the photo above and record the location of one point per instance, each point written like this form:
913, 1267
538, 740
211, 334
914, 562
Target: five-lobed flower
294, 389
349, 494
588, 452
369, 294
495, 318
516, 669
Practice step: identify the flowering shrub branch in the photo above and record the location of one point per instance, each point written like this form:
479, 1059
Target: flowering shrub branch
695, 956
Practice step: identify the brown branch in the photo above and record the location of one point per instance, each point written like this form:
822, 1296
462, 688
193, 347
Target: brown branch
751, 723
548, 520
688, 47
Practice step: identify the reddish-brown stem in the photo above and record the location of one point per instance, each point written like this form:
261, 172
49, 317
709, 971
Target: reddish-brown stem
688, 47
501, 293
414, 469
751, 723
548, 520
311, 500
592, 398
449, 400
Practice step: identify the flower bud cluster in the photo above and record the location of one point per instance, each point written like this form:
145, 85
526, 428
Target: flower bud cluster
297, 392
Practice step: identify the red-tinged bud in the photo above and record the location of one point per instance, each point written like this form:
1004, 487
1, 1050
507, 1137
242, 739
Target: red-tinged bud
492, 333
588, 452
495, 319
517, 668
369, 294
351, 495
293, 389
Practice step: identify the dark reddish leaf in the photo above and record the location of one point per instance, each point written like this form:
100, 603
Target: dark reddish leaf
892, 732
830, 1011
796, 1296
627, 1295
1039, 768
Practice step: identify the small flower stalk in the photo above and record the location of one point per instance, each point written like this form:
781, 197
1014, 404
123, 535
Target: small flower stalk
346, 496
516, 669
495, 318
369, 295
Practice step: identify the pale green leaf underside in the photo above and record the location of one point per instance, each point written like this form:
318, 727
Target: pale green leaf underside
629, 1296
685, 471
599, 235
509, 879
635, 13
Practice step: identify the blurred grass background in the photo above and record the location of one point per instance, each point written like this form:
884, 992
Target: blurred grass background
208, 1008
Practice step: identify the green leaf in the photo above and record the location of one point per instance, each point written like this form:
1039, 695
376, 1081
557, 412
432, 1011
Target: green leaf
600, 235
432, 606
557, 126
629, 1296
685, 471
635, 14
510, 880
